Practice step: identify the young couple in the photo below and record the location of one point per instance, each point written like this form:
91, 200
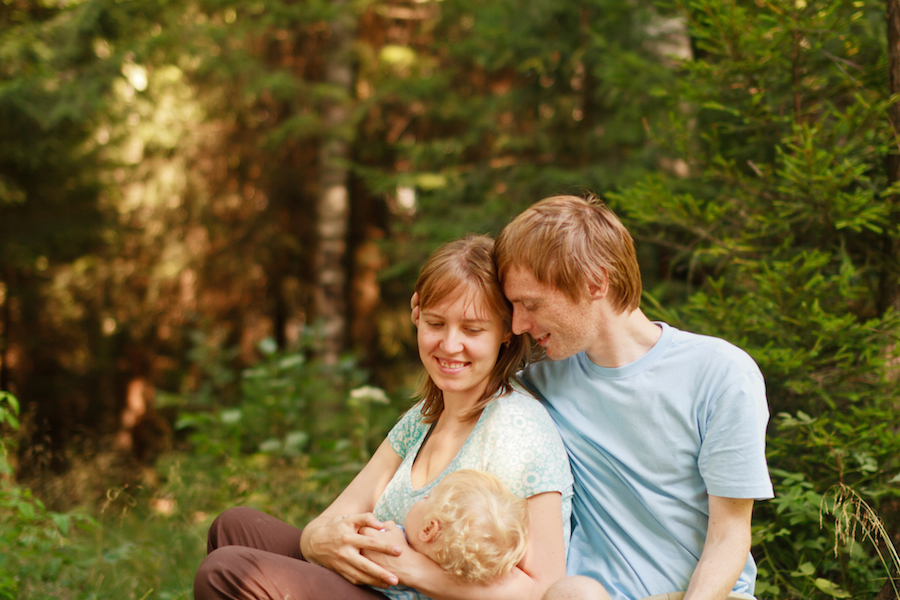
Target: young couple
664, 429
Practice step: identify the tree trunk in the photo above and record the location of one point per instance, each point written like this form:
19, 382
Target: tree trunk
333, 206
5, 329
889, 289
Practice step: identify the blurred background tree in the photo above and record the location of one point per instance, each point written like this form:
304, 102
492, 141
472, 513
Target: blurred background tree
212, 214
229, 172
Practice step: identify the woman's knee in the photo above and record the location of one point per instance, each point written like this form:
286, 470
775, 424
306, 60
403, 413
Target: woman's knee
225, 525
218, 573
577, 587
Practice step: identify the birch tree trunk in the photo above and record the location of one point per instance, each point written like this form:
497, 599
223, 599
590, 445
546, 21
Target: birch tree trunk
333, 206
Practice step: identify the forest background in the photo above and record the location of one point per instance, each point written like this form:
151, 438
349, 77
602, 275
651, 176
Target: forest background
212, 213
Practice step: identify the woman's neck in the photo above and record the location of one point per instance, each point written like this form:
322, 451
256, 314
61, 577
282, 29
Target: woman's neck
458, 406
447, 437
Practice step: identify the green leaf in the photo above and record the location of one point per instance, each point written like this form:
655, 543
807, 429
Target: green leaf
830, 588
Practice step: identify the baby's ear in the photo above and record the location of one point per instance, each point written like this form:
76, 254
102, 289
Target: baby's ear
430, 531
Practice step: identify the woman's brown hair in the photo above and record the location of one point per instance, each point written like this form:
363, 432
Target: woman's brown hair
468, 263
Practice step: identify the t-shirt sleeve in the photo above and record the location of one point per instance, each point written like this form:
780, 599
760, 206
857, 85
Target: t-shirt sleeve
524, 448
732, 457
406, 432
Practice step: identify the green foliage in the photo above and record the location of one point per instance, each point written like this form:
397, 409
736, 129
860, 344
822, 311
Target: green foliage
33, 538
772, 234
264, 450
502, 104
293, 407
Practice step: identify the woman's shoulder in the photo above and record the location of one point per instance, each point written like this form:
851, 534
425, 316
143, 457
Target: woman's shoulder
518, 401
522, 446
518, 407
408, 430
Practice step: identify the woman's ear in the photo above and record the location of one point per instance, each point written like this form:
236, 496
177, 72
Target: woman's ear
430, 531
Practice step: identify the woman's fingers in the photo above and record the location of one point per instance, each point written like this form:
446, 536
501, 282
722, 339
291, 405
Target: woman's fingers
381, 541
341, 544
363, 520
360, 570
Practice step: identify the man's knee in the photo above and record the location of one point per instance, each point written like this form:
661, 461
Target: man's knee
577, 587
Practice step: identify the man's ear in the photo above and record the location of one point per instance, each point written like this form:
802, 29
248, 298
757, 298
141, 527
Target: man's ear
599, 288
431, 531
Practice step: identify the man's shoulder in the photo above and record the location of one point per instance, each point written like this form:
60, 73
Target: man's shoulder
550, 369
711, 350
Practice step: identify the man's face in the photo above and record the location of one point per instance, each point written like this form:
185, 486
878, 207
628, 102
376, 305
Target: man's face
549, 316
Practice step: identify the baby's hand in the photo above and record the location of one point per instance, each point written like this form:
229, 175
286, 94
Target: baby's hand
391, 533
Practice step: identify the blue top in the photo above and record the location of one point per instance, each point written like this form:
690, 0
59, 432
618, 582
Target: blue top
648, 443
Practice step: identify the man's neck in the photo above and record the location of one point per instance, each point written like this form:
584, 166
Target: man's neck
623, 338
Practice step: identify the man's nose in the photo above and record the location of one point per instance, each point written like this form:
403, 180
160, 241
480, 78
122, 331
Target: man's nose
520, 324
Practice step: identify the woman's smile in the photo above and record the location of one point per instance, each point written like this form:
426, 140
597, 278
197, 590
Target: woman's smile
451, 365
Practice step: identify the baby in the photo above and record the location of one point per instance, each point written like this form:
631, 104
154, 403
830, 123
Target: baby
470, 525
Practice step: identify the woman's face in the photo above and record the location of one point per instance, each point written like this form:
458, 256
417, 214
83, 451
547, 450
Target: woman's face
459, 340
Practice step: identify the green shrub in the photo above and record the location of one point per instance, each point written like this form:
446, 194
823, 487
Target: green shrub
34, 540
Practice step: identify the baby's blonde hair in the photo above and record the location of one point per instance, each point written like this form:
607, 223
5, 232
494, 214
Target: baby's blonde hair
483, 526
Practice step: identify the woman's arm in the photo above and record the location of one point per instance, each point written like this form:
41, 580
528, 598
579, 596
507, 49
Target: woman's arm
333, 539
543, 564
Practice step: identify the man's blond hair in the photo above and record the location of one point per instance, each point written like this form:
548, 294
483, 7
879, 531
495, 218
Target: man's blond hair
483, 526
569, 243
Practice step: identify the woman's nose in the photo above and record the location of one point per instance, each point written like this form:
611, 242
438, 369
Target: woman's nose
452, 341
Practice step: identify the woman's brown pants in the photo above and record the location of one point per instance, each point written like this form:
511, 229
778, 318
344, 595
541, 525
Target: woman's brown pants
253, 556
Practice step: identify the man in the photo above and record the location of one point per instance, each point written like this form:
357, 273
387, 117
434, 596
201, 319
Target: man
665, 429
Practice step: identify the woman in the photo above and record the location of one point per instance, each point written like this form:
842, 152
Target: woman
469, 417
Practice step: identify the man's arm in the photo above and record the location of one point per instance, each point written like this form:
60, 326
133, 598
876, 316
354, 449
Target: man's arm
725, 551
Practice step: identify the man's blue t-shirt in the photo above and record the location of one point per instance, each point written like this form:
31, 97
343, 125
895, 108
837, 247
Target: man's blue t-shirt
648, 442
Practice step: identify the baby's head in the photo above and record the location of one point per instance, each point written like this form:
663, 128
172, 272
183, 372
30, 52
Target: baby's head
470, 525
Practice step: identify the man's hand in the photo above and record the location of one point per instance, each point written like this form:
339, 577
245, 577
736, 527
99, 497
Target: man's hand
340, 546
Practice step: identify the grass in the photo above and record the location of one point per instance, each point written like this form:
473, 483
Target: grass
144, 541
853, 516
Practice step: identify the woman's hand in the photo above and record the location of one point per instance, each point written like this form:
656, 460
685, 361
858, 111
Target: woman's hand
389, 533
333, 539
403, 563
339, 544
